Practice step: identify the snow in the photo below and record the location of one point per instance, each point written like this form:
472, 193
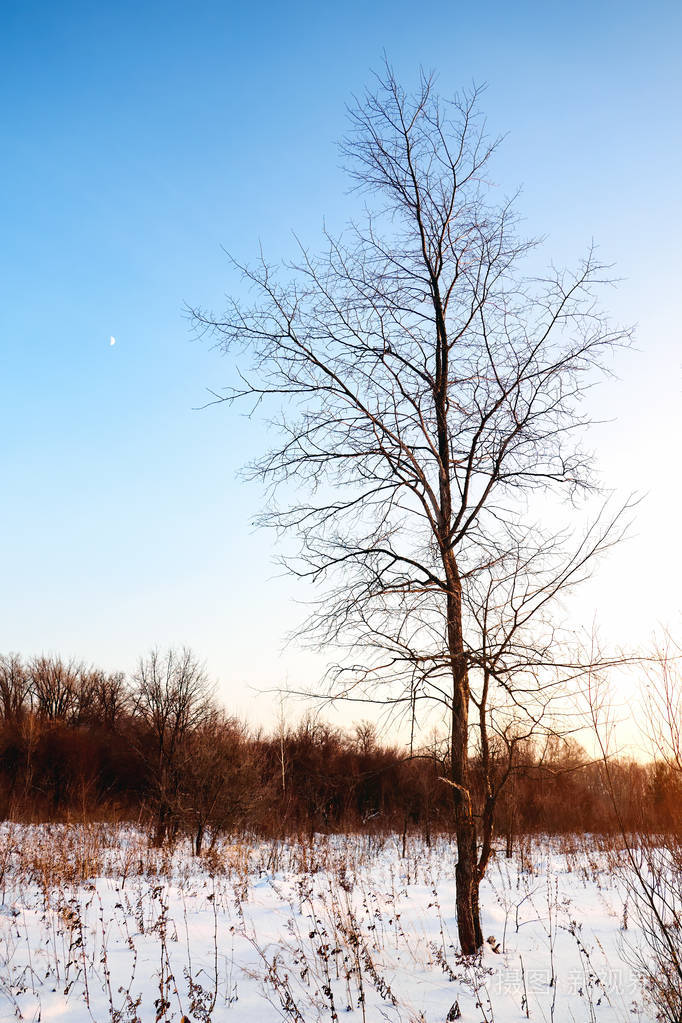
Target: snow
95, 925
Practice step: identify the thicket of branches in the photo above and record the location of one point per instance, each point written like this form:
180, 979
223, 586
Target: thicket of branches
77, 742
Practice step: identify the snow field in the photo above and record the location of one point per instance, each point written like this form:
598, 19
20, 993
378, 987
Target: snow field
95, 925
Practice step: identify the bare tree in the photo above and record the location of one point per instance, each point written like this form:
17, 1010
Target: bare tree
110, 698
15, 688
426, 391
220, 779
662, 718
72, 692
521, 665
171, 698
55, 687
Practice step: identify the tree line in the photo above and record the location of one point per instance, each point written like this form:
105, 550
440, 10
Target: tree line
79, 742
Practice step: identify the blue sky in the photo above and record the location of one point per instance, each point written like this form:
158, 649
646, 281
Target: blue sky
140, 138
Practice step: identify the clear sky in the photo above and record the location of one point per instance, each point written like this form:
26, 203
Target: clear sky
139, 138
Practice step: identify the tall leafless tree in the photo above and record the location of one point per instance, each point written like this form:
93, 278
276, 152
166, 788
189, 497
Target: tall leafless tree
426, 390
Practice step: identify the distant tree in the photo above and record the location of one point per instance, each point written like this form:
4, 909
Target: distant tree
55, 687
171, 699
426, 389
15, 687
220, 782
110, 699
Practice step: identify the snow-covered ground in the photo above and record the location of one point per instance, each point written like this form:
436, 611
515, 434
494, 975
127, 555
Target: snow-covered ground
94, 925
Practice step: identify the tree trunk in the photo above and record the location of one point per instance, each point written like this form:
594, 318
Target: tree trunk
487, 833
160, 828
475, 908
198, 839
468, 925
466, 874
511, 819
